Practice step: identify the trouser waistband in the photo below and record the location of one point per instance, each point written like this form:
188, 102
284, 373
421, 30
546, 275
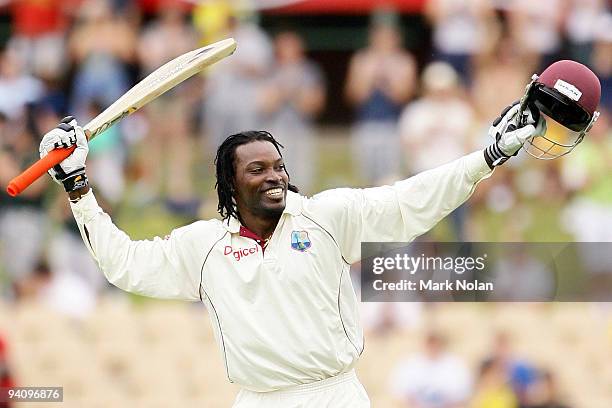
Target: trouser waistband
318, 385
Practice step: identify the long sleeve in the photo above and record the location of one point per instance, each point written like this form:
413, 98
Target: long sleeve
397, 213
162, 268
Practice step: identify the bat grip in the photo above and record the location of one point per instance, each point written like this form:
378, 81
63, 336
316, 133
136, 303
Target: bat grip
29, 176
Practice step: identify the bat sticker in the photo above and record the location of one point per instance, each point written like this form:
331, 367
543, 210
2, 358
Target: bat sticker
202, 51
105, 126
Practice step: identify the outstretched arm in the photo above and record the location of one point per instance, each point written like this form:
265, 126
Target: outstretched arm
409, 208
400, 212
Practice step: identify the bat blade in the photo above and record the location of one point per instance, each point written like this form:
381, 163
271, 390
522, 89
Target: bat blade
155, 84
159, 81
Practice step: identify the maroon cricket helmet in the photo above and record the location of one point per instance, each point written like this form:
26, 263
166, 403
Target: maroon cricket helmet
567, 92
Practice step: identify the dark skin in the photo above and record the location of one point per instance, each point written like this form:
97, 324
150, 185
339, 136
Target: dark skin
77, 194
259, 170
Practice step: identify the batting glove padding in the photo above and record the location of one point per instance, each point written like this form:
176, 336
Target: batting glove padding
71, 171
510, 133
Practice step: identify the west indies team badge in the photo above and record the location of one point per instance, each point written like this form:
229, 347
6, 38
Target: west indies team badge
300, 241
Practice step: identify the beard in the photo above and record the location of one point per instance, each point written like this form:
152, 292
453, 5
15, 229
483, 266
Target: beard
267, 211
258, 207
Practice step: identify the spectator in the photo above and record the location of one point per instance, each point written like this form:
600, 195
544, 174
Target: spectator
544, 393
521, 373
586, 172
520, 276
587, 216
431, 140
60, 290
492, 389
434, 379
169, 146
390, 318
28, 288
17, 88
498, 74
231, 102
537, 27
293, 96
581, 27
460, 30
23, 221
39, 28
381, 79
67, 293
101, 45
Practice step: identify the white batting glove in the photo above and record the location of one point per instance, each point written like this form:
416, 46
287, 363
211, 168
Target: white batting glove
510, 133
71, 171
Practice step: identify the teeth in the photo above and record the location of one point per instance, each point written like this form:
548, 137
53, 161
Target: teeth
274, 192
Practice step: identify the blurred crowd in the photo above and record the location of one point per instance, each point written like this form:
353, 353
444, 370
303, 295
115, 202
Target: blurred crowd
438, 378
411, 113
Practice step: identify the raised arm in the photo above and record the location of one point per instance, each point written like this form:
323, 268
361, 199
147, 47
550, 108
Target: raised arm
167, 268
162, 268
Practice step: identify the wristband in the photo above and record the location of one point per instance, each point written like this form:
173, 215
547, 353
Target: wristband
75, 182
494, 156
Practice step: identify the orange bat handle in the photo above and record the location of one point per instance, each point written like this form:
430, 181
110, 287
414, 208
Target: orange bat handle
22, 181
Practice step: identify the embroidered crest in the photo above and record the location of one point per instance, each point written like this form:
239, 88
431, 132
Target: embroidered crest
300, 241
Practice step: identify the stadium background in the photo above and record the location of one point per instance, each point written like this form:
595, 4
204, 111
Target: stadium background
61, 324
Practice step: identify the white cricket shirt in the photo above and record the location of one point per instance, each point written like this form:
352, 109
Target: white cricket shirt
286, 316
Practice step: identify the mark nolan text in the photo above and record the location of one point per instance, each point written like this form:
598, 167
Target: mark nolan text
447, 285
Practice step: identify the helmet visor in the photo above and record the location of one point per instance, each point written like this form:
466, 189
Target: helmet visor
560, 108
558, 141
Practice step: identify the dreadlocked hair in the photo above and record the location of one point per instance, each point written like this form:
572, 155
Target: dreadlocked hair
225, 171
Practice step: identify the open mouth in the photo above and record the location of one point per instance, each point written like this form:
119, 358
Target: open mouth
276, 192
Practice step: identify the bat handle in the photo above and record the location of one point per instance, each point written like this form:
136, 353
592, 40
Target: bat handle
22, 181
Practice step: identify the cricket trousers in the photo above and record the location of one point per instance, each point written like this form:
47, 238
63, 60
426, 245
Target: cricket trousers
341, 391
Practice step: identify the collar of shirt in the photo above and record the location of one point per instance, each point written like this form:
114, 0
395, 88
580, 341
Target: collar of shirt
263, 243
293, 207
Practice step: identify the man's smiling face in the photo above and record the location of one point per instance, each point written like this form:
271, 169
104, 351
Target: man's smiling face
260, 185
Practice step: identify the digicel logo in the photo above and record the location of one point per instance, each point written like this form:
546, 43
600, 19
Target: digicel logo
240, 253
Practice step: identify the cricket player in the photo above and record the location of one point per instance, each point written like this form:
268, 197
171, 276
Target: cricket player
274, 272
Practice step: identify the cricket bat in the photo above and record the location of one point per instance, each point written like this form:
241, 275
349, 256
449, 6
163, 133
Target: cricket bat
159, 81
